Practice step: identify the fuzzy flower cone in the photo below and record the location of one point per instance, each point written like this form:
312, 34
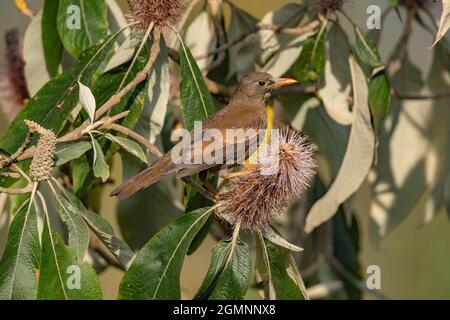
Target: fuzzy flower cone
265, 191
159, 12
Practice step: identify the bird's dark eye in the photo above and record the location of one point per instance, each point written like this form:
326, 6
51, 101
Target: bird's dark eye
262, 83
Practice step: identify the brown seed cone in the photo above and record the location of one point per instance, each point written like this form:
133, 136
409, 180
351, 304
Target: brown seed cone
43, 159
159, 12
255, 198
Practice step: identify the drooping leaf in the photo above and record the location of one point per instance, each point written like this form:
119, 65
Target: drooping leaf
87, 100
81, 24
50, 38
69, 151
19, 266
78, 230
101, 168
228, 276
62, 276
196, 100
203, 25
53, 104
358, 157
311, 62
269, 234
122, 55
444, 23
379, 98
367, 52
103, 230
129, 145
336, 84
105, 233
35, 70
155, 272
277, 271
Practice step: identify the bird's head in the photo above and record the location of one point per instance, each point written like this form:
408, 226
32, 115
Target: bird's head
259, 85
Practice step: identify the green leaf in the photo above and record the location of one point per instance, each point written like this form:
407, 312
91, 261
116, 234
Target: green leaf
366, 51
81, 24
101, 168
196, 100
311, 62
50, 38
130, 146
379, 99
52, 105
358, 156
275, 238
105, 233
155, 272
277, 270
103, 230
78, 230
19, 266
227, 277
69, 151
62, 275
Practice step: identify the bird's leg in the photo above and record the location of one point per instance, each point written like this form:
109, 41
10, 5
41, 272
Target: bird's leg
199, 188
203, 175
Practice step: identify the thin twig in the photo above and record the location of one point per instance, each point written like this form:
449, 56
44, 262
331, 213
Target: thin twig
401, 52
413, 96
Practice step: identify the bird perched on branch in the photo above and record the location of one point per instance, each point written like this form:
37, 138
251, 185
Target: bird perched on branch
246, 110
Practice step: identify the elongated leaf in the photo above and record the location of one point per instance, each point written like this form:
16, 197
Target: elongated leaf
50, 38
53, 104
336, 83
122, 55
276, 269
103, 230
444, 23
196, 100
87, 100
129, 146
19, 266
78, 230
151, 122
358, 156
379, 99
62, 275
81, 24
155, 272
101, 168
366, 50
36, 73
105, 233
227, 277
70, 151
203, 25
275, 238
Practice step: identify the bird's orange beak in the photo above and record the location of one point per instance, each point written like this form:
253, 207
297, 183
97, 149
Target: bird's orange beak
281, 82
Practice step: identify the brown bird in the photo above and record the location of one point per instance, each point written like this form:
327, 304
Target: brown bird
246, 110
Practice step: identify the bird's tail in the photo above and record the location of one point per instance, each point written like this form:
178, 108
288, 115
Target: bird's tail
145, 178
